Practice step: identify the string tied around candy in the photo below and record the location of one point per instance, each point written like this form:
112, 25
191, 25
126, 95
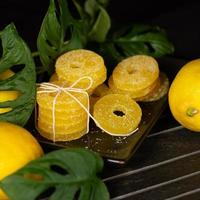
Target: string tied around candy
46, 87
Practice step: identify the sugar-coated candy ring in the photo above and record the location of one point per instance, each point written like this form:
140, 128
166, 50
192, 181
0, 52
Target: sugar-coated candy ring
135, 73
79, 63
60, 112
67, 119
62, 127
56, 120
63, 100
61, 135
158, 92
133, 94
117, 114
44, 99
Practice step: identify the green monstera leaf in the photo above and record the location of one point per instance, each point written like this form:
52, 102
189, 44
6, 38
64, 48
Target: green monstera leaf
99, 20
63, 174
137, 39
143, 39
59, 32
17, 53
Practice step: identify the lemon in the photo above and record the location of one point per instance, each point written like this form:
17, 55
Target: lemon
17, 148
6, 74
7, 95
184, 96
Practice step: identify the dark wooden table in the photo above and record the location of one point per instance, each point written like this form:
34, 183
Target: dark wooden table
166, 166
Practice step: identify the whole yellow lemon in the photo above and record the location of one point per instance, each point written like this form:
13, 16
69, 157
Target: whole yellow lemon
184, 96
17, 148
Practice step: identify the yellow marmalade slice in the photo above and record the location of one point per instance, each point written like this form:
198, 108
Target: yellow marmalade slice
63, 101
118, 114
135, 94
78, 63
135, 73
159, 91
61, 134
68, 119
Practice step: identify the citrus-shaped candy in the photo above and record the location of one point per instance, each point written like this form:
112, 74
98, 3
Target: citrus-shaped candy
62, 113
159, 91
118, 114
184, 96
84, 83
136, 73
76, 64
62, 127
63, 120
17, 148
64, 100
69, 115
135, 94
62, 132
73, 135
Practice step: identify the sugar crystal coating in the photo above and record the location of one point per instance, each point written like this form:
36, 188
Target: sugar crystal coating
159, 91
135, 73
79, 63
70, 119
135, 94
117, 113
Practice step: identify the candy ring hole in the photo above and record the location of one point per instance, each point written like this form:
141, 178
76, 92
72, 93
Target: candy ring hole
74, 66
119, 113
131, 71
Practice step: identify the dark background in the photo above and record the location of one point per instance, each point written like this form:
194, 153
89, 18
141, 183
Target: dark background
181, 19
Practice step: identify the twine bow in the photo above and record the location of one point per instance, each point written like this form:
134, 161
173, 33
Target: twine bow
52, 88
